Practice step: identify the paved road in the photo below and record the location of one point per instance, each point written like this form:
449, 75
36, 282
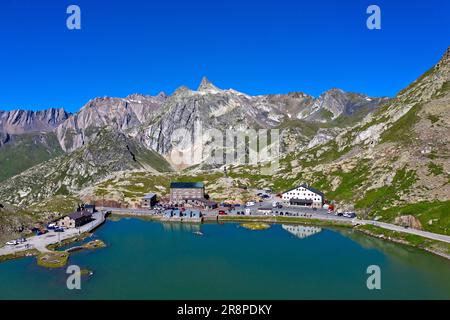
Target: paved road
136, 212
41, 242
393, 227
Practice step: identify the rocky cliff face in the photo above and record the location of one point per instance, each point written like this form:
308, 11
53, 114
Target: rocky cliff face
110, 135
154, 119
335, 103
119, 114
26, 121
212, 108
4, 138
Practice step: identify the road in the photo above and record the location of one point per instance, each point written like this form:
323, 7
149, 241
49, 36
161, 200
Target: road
42, 242
393, 227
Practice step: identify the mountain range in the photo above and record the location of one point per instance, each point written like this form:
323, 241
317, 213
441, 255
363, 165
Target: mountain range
378, 156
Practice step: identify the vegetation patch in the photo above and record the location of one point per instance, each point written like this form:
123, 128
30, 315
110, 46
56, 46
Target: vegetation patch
17, 255
255, 226
86, 273
350, 182
26, 151
434, 216
375, 200
53, 259
95, 244
435, 169
433, 118
401, 131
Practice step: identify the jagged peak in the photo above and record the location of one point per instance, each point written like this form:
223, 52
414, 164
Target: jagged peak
162, 95
332, 92
445, 60
181, 90
335, 90
206, 86
139, 96
37, 112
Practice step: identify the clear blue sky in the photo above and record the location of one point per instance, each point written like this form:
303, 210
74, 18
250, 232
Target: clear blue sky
258, 47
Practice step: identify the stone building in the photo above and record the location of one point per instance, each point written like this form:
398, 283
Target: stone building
186, 190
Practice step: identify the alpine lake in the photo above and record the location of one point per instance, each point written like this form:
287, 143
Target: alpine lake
154, 260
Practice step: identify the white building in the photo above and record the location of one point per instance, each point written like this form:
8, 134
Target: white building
305, 196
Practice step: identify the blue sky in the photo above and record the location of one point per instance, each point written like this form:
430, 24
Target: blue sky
258, 47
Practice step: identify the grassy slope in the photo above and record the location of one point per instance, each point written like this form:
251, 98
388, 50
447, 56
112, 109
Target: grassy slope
27, 151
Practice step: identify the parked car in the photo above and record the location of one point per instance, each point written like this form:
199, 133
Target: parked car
59, 229
12, 243
222, 213
349, 214
250, 204
51, 226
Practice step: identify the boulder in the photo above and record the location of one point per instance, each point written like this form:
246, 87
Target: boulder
408, 221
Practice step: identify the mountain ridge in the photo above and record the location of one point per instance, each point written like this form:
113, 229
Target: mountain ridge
392, 156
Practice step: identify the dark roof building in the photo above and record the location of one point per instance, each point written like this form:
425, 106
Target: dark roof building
90, 208
186, 190
76, 219
187, 185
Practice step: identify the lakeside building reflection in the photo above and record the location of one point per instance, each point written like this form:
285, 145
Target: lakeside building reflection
186, 227
300, 231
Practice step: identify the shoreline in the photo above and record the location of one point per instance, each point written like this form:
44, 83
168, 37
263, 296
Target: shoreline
376, 232
424, 245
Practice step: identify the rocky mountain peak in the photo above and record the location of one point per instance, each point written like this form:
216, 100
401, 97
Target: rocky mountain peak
181, 90
431, 83
25, 121
334, 91
207, 86
444, 63
162, 95
446, 56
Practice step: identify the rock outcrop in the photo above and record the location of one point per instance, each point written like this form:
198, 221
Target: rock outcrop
408, 221
118, 114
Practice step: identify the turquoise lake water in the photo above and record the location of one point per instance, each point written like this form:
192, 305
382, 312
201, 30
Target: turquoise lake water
152, 260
